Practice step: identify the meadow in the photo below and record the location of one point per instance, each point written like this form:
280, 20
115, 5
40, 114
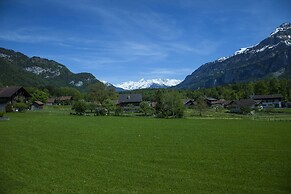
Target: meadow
54, 152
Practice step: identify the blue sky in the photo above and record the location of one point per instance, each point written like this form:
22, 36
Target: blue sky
123, 40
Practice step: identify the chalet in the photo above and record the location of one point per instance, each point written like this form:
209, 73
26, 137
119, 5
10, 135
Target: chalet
37, 105
269, 101
220, 103
129, 99
209, 100
12, 95
238, 106
188, 103
51, 101
64, 100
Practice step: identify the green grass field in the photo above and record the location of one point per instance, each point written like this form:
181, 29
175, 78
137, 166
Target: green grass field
53, 152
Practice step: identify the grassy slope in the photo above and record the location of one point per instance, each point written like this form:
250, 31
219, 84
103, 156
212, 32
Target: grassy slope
58, 153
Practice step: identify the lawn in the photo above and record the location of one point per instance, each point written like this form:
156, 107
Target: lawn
50, 152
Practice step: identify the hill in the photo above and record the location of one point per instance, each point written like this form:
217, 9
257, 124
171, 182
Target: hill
270, 58
19, 69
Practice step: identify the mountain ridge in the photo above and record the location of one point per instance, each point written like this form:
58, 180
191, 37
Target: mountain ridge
151, 83
19, 69
269, 58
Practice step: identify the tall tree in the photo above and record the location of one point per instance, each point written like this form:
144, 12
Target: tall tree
261, 88
146, 109
169, 104
99, 92
201, 105
274, 86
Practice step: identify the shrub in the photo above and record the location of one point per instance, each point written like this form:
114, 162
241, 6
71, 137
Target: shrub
101, 111
146, 109
118, 111
9, 107
80, 107
2, 114
20, 106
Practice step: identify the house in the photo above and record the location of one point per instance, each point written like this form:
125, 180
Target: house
209, 100
51, 101
37, 105
238, 106
220, 103
129, 99
64, 100
12, 95
269, 101
188, 103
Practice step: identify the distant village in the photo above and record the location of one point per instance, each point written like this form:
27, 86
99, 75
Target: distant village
13, 98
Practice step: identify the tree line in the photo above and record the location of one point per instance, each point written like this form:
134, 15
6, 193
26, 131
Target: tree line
231, 91
101, 99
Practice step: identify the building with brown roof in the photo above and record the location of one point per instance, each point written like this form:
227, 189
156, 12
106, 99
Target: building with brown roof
37, 105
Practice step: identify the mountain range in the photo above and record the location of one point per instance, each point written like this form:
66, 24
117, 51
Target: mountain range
153, 83
269, 58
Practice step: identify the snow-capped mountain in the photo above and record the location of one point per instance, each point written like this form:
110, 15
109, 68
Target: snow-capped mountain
153, 83
271, 57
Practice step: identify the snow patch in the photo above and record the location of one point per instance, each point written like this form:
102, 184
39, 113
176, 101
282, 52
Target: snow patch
4, 55
222, 59
142, 84
106, 83
283, 27
39, 70
287, 42
77, 84
241, 50
7, 57
278, 73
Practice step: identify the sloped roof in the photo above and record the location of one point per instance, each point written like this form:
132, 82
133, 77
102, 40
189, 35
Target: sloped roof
185, 101
129, 98
62, 98
264, 97
7, 92
243, 103
210, 98
51, 100
39, 103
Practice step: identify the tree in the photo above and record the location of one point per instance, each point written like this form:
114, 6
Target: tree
201, 105
9, 107
20, 106
261, 88
92, 106
40, 96
109, 105
145, 108
118, 111
99, 92
169, 104
274, 86
80, 107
